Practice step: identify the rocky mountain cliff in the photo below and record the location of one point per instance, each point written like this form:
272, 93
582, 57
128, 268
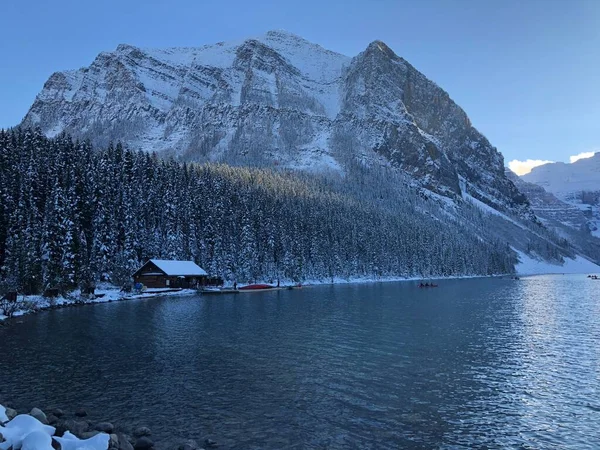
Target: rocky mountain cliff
279, 101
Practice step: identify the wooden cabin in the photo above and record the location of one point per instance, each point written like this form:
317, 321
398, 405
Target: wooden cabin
160, 273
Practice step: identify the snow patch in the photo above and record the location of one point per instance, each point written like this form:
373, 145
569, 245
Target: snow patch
528, 265
177, 268
18, 429
488, 209
28, 433
35, 303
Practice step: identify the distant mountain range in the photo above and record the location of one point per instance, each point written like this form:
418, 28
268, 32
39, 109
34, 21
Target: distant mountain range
577, 184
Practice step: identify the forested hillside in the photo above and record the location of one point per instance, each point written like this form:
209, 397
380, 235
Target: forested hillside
71, 214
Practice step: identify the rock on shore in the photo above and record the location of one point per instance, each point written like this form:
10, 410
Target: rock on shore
75, 432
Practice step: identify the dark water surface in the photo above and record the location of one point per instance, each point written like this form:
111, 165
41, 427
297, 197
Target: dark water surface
472, 364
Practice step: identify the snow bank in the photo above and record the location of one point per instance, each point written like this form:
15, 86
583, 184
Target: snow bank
72, 442
16, 431
530, 266
28, 433
35, 303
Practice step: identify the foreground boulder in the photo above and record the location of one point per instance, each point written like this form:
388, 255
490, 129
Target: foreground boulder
189, 445
77, 427
143, 443
39, 415
11, 413
124, 443
105, 427
58, 412
142, 431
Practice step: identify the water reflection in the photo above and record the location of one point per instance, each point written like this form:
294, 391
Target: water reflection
474, 363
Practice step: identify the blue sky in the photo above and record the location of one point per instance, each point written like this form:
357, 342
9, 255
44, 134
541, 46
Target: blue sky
527, 72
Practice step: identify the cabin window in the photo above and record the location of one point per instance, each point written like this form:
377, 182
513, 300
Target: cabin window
167, 282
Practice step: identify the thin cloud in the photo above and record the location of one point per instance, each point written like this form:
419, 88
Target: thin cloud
523, 167
581, 156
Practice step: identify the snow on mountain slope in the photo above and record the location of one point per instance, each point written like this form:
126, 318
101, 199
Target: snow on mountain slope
279, 100
566, 219
566, 181
547, 206
576, 183
533, 266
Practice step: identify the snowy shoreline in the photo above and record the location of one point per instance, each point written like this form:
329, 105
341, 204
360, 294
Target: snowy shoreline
37, 430
37, 303
109, 293
528, 266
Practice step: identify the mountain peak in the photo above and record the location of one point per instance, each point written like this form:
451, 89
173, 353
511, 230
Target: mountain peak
382, 47
125, 47
283, 34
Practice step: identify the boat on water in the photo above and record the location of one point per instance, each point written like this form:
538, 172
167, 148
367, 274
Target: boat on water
256, 287
428, 285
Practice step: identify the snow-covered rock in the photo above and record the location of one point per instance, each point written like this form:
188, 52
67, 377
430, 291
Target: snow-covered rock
71, 442
15, 431
277, 100
37, 440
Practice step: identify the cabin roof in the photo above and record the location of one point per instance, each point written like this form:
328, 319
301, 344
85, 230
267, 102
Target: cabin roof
176, 268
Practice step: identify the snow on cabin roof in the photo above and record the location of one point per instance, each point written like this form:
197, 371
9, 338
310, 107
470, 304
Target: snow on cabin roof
175, 268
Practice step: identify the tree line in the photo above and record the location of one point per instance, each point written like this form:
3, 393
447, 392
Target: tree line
72, 215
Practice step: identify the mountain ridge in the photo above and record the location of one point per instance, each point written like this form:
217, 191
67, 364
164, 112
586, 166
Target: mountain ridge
278, 99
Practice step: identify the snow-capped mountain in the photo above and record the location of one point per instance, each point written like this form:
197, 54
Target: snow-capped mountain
568, 220
547, 206
279, 100
577, 184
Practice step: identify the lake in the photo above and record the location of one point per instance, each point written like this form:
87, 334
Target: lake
473, 363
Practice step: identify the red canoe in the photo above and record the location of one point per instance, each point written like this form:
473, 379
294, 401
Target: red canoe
252, 287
